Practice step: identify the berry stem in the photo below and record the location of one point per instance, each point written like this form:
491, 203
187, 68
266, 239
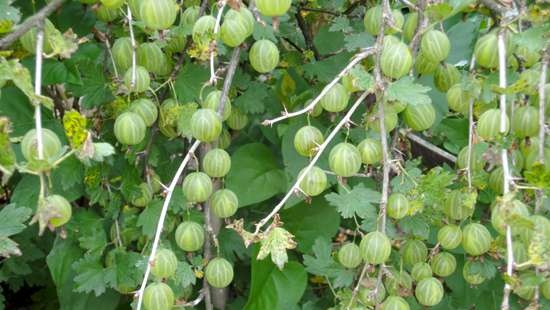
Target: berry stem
505, 167
134, 48
38, 107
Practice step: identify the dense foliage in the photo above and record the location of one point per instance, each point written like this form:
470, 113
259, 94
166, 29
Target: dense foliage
146, 163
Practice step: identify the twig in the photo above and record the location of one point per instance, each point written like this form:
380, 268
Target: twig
312, 163
420, 28
358, 285
109, 50
210, 236
233, 64
194, 302
542, 115
411, 5
379, 80
38, 108
430, 146
353, 6
306, 31
495, 7
30, 22
134, 47
213, 77
471, 128
160, 224
38, 89
505, 167
254, 10
355, 60
303, 8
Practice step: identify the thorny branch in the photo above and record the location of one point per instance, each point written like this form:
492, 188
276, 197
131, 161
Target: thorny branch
160, 225
307, 109
30, 22
312, 163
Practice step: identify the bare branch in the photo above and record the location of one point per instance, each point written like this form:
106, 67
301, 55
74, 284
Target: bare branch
355, 60
495, 7
213, 77
423, 23
160, 225
306, 31
30, 22
430, 146
303, 8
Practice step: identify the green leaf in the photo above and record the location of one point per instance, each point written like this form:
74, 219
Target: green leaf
406, 182
252, 100
416, 226
60, 260
275, 289
358, 202
326, 69
439, 12
88, 228
463, 36
363, 80
309, 221
263, 32
434, 185
184, 120
125, 268
323, 264
455, 130
357, 41
328, 42
12, 218
340, 23
70, 174
485, 268
185, 275
407, 91
95, 88
232, 246
190, 81
9, 13
276, 243
26, 193
21, 77
91, 276
148, 219
255, 175
534, 39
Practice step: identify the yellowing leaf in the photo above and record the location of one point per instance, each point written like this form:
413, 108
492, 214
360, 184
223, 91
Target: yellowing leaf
277, 241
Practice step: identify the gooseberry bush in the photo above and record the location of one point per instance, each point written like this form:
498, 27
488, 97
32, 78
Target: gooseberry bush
274, 154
